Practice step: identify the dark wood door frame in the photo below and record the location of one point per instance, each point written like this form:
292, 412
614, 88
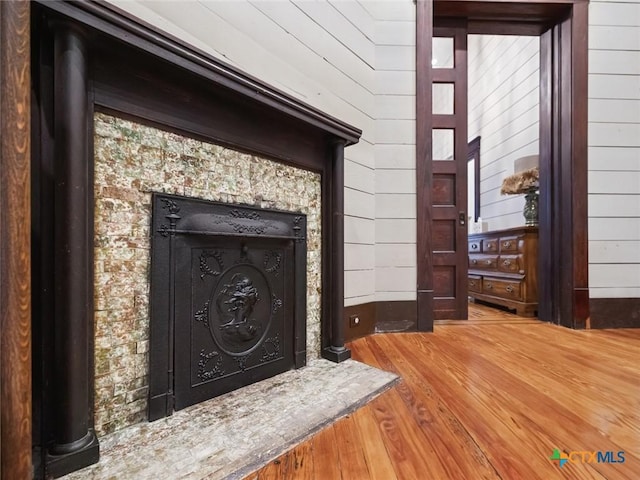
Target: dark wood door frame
563, 28
473, 153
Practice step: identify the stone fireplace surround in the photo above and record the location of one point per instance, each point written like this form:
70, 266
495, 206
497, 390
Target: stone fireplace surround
133, 160
79, 52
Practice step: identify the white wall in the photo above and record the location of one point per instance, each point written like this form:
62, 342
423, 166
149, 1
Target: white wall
320, 52
504, 73
395, 187
614, 149
355, 60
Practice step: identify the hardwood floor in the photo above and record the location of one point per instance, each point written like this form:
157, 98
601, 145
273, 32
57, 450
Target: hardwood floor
491, 399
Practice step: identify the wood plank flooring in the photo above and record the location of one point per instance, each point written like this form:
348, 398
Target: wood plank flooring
489, 399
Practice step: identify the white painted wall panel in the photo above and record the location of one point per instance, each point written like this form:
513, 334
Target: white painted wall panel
625, 275
614, 149
614, 111
401, 107
613, 158
613, 252
396, 156
395, 33
614, 38
614, 205
395, 279
614, 228
395, 149
391, 10
359, 177
395, 181
359, 204
614, 13
359, 283
395, 231
393, 255
359, 257
615, 182
625, 87
359, 230
357, 15
395, 205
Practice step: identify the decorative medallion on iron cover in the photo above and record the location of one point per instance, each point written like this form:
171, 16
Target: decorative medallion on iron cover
228, 293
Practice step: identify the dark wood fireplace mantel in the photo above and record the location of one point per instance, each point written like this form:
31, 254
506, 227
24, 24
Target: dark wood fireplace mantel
90, 56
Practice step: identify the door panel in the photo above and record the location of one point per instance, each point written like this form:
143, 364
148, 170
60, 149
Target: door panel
449, 171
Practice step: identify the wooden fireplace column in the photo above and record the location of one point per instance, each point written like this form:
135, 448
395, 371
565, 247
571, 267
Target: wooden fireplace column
73, 439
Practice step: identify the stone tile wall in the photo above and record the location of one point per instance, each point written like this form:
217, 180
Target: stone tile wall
131, 162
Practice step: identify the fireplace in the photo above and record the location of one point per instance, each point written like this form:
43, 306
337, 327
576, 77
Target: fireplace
228, 298
177, 122
132, 161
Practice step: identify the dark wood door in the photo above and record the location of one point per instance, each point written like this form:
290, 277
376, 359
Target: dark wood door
449, 170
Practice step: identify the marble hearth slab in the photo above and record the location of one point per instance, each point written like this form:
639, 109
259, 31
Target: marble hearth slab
230, 436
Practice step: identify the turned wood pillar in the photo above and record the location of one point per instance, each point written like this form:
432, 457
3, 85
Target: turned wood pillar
336, 351
74, 442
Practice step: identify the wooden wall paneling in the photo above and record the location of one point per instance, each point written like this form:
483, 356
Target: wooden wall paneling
424, 123
15, 242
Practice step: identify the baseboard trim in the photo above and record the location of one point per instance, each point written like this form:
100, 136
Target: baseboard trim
615, 312
397, 316
378, 317
366, 320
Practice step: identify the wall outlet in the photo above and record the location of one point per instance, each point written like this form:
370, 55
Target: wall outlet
354, 321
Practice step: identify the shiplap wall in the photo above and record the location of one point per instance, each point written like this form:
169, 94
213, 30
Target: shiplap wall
355, 59
395, 187
320, 52
614, 149
504, 74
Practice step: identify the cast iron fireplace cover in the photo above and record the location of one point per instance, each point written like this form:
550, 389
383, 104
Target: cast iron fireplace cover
228, 298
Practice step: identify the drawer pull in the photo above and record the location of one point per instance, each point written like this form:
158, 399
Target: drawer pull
474, 261
489, 286
488, 262
506, 263
509, 289
472, 283
490, 246
506, 244
474, 246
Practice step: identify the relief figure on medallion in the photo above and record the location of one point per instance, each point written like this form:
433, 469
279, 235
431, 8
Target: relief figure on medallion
239, 299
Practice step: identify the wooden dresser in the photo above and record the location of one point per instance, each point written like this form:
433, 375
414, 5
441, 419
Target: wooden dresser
503, 268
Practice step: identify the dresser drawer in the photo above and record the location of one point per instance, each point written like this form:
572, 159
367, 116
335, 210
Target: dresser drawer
483, 262
474, 246
509, 244
511, 264
502, 288
490, 245
474, 284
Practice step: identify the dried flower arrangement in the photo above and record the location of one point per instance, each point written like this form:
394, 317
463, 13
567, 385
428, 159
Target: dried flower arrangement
521, 182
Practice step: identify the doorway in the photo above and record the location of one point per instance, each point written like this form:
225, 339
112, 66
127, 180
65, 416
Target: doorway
563, 258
